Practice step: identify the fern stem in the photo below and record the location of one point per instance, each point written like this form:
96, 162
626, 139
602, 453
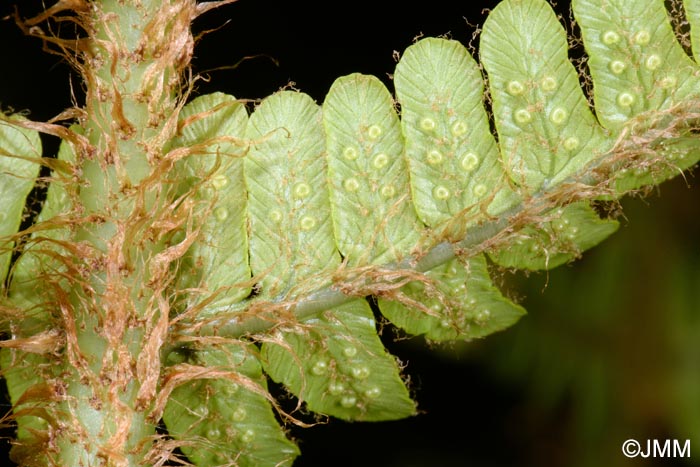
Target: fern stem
244, 320
243, 323
113, 317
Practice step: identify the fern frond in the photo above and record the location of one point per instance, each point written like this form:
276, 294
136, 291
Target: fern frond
412, 204
293, 215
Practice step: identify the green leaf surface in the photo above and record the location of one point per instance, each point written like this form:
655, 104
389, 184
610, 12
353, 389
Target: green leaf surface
546, 130
561, 237
692, 13
292, 238
638, 66
373, 217
28, 286
665, 159
20, 152
636, 62
227, 421
24, 371
285, 170
213, 126
453, 158
28, 291
338, 366
460, 302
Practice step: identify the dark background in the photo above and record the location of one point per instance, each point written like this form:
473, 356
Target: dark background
610, 349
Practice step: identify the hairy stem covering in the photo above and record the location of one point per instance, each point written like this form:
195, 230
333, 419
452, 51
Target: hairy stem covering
117, 318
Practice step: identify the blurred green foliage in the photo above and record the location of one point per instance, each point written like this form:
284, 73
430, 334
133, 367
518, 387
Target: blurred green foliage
611, 347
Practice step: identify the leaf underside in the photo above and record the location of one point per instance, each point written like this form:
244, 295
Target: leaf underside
20, 151
229, 419
297, 197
